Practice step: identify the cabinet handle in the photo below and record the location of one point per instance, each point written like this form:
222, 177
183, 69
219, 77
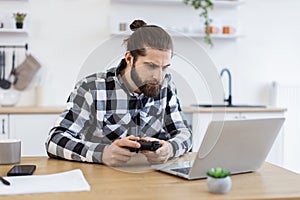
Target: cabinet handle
240, 117
3, 126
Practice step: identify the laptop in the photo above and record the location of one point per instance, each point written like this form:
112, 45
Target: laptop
239, 146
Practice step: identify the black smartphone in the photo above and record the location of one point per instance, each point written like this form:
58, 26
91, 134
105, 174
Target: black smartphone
21, 170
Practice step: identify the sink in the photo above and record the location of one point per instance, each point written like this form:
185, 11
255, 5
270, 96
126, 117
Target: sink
229, 99
229, 106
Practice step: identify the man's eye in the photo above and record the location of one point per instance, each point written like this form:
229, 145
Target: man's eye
152, 65
165, 68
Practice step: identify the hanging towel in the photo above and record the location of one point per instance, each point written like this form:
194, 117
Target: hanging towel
25, 72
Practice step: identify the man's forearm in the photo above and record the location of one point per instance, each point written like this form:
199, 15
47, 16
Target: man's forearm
182, 142
65, 146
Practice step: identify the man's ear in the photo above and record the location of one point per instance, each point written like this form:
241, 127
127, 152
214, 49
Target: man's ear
128, 58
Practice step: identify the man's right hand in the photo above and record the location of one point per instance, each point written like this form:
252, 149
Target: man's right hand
115, 155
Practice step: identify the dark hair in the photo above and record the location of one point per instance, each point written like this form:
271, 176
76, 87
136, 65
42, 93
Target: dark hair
147, 36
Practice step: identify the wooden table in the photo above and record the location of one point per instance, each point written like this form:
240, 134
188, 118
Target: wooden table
270, 182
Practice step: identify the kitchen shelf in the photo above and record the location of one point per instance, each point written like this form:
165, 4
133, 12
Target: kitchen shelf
193, 30
14, 0
228, 3
199, 35
223, 3
192, 35
14, 31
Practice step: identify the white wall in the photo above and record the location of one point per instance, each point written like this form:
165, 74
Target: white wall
268, 51
63, 33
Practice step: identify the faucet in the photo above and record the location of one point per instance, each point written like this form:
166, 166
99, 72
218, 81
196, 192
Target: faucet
229, 99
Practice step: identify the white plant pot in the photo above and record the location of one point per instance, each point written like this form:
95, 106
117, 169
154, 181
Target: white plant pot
219, 185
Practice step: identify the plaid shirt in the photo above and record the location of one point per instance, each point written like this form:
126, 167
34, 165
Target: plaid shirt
101, 109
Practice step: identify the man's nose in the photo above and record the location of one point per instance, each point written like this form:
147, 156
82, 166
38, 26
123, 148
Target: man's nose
158, 74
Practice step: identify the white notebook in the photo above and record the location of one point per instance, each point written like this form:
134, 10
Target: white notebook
70, 181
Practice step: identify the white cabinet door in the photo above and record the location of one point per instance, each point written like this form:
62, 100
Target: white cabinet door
32, 130
4, 126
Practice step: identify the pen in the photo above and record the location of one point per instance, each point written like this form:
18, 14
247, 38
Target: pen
4, 181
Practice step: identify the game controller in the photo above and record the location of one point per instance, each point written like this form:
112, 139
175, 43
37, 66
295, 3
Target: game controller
150, 146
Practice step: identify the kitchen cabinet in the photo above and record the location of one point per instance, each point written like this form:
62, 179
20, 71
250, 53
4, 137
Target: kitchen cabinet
199, 118
32, 130
29, 124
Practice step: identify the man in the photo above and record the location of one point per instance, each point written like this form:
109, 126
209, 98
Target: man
108, 113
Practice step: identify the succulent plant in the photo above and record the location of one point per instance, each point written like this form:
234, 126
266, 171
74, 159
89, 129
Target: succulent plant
218, 173
19, 17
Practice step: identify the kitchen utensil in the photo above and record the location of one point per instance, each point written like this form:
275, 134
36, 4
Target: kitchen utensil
11, 77
0, 64
4, 84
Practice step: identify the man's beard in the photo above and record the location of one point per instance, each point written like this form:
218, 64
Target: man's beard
145, 86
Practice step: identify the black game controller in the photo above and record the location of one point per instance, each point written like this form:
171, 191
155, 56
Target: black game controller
150, 146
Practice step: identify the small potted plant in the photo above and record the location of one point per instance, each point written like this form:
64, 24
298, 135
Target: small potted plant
218, 180
19, 18
204, 6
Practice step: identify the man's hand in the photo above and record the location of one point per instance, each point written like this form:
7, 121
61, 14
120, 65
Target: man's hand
115, 155
162, 154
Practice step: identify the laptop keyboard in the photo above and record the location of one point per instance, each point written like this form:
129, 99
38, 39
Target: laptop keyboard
185, 170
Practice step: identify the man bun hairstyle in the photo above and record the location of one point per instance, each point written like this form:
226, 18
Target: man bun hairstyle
137, 24
144, 36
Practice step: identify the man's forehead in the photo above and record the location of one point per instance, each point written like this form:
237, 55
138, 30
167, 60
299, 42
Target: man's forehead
156, 56
150, 49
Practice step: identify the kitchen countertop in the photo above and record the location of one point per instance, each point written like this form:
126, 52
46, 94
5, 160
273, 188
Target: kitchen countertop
59, 109
32, 110
231, 109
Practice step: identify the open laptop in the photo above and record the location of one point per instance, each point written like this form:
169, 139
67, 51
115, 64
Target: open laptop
237, 145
